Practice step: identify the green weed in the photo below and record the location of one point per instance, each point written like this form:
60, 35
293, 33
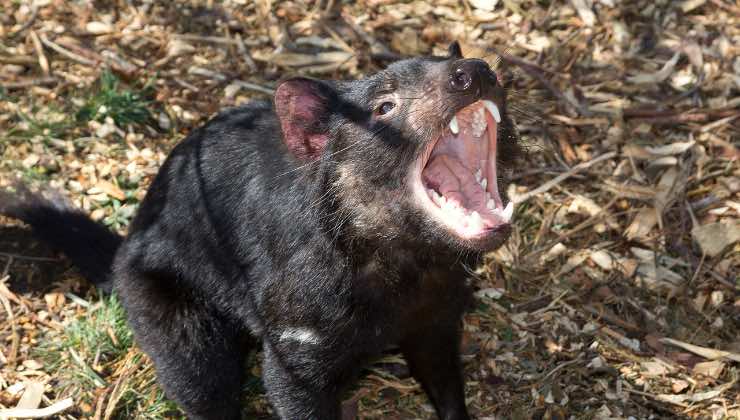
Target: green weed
124, 106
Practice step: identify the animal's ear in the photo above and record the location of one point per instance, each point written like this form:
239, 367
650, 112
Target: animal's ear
454, 50
303, 107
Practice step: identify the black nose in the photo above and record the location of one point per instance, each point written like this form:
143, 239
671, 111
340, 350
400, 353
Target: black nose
469, 75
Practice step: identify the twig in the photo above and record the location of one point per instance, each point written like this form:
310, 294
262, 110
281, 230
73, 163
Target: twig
200, 71
376, 47
242, 48
562, 177
22, 84
43, 61
704, 352
656, 397
538, 73
215, 39
37, 413
66, 53
27, 24
560, 367
29, 258
18, 59
15, 340
611, 318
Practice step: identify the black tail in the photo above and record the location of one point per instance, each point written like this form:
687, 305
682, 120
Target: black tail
89, 245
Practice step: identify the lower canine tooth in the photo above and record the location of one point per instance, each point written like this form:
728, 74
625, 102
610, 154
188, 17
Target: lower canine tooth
493, 109
453, 125
491, 205
508, 212
484, 183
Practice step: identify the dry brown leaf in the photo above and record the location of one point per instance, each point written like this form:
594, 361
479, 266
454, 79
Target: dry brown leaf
659, 76
110, 189
31, 397
689, 5
711, 368
54, 301
553, 252
98, 28
644, 222
666, 189
408, 42
678, 385
670, 149
656, 367
713, 238
32, 364
583, 7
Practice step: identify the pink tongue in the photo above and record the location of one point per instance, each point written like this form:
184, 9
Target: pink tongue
453, 180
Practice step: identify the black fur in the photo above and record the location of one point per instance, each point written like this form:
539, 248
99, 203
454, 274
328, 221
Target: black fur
322, 255
90, 246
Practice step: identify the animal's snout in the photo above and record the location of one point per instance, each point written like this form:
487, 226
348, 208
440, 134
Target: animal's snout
470, 75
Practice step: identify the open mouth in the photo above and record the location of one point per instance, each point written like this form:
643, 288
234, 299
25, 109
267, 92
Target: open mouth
458, 174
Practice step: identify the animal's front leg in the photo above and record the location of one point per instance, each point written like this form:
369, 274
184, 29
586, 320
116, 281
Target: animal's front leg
434, 360
303, 377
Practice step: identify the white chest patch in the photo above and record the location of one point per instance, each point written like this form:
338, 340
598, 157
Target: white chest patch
302, 335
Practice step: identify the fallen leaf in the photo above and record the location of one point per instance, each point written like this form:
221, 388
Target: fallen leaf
657, 77
490, 293
653, 341
670, 149
32, 364
487, 5
679, 385
111, 190
603, 259
54, 301
31, 397
98, 28
711, 369
553, 252
583, 7
645, 220
689, 5
655, 368
713, 238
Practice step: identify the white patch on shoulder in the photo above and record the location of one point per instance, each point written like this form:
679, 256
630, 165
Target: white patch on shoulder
302, 335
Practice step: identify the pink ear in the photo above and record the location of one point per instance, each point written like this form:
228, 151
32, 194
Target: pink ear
302, 107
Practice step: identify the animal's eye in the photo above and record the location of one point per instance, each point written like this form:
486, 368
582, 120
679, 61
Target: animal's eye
385, 108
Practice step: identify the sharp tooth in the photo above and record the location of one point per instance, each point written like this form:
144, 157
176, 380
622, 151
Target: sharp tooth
478, 175
484, 183
435, 199
508, 212
491, 205
453, 125
493, 109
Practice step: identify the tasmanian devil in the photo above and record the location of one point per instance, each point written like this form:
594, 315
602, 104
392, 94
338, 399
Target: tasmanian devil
331, 223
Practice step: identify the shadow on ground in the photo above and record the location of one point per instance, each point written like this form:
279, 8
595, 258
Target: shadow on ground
31, 266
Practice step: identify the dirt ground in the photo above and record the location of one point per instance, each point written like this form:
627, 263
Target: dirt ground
617, 296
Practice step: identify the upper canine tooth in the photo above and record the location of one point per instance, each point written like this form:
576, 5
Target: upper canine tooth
493, 109
453, 125
484, 183
491, 204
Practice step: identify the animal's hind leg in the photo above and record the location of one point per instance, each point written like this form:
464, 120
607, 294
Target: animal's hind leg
198, 354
